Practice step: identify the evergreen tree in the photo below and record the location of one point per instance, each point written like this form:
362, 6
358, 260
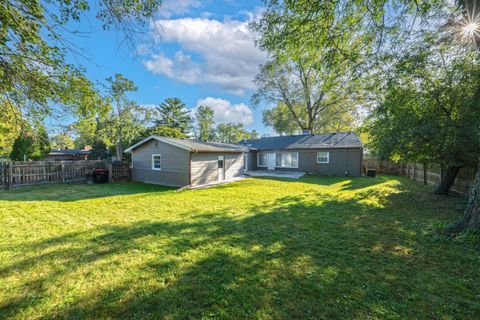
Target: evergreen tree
31, 145
174, 114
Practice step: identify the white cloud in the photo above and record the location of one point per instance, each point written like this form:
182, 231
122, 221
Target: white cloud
172, 8
225, 111
226, 52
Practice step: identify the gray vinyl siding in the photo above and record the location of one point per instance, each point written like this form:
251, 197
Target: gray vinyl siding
174, 164
234, 165
205, 167
341, 160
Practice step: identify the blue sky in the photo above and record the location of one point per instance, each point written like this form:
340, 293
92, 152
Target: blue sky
198, 50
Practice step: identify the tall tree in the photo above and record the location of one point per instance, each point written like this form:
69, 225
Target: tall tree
127, 120
204, 128
31, 144
309, 87
164, 131
174, 114
35, 78
233, 133
430, 111
62, 141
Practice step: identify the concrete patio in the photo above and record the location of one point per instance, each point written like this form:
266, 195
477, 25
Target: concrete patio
275, 174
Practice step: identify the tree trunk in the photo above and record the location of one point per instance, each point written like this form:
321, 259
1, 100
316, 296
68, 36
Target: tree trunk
119, 149
447, 181
471, 216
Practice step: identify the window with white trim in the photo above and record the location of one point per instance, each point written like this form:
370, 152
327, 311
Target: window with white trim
262, 159
287, 159
156, 162
323, 157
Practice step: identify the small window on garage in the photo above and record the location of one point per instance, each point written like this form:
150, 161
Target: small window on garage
156, 162
323, 157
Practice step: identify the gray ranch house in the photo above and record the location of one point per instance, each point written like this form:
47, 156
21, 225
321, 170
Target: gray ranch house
336, 154
185, 162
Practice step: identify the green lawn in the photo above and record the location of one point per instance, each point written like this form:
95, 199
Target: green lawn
318, 247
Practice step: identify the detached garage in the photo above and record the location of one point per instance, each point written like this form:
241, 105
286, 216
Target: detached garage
183, 162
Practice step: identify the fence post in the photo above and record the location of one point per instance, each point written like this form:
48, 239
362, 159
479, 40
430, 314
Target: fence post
110, 171
425, 174
62, 170
9, 176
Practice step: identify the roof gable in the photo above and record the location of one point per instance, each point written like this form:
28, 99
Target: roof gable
192, 145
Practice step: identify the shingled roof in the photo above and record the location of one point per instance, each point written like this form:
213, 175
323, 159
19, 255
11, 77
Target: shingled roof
194, 145
307, 141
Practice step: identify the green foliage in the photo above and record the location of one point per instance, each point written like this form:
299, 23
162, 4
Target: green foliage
281, 119
10, 126
31, 145
309, 93
126, 121
34, 74
22, 147
164, 131
62, 141
429, 109
174, 114
233, 133
204, 130
312, 248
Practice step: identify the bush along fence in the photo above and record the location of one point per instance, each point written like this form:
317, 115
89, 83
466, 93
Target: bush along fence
29, 173
430, 174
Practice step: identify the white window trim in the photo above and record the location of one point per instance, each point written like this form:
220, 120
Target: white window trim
328, 157
245, 159
153, 162
258, 160
293, 167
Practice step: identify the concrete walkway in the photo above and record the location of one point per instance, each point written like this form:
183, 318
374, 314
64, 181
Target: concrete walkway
275, 174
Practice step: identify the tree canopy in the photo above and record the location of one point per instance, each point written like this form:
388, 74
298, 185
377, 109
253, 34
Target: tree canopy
204, 130
174, 114
35, 78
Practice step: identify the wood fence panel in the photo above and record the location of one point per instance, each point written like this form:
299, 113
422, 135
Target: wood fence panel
431, 175
28, 173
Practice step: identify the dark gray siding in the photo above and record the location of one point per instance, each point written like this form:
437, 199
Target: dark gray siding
174, 162
205, 167
341, 160
251, 160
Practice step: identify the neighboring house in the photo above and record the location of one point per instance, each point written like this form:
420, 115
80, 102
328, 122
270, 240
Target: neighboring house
68, 154
336, 154
182, 162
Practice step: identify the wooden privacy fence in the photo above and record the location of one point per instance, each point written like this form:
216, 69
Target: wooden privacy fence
430, 175
119, 171
29, 173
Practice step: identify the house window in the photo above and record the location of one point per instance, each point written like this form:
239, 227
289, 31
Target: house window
156, 162
262, 159
323, 157
287, 159
245, 162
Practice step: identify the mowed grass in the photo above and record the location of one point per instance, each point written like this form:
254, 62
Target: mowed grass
318, 247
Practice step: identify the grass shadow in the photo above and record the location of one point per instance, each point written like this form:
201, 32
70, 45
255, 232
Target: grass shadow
304, 256
75, 192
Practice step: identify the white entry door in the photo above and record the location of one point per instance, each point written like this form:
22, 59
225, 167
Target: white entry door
271, 161
221, 168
